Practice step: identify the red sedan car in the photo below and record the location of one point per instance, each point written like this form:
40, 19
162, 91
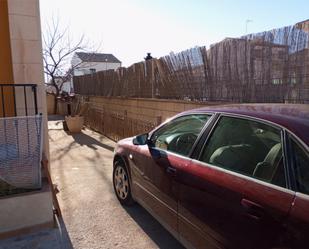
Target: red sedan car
234, 176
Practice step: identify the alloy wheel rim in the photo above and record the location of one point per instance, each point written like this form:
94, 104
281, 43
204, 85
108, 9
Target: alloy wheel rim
121, 182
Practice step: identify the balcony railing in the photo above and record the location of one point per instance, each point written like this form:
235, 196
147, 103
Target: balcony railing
20, 139
18, 100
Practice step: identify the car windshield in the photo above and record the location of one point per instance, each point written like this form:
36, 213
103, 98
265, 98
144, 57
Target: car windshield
191, 123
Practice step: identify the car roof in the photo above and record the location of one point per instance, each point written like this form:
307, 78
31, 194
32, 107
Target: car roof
294, 117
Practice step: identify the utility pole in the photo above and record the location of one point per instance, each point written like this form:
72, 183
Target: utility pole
247, 21
148, 58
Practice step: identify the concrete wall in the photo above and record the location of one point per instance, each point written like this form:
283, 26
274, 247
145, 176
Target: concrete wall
25, 31
25, 212
118, 118
144, 109
50, 100
26, 50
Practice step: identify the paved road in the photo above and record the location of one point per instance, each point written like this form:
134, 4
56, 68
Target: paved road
82, 168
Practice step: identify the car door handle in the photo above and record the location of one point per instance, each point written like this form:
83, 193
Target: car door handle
253, 210
171, 171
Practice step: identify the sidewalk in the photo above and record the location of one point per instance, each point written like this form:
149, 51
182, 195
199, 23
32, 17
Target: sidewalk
82, 169
81, 166
53, 238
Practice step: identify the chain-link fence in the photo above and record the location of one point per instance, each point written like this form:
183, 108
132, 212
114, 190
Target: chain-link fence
20, 153
272, 66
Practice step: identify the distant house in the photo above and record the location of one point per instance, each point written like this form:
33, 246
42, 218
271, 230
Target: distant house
87, 63
65, 85
304, 25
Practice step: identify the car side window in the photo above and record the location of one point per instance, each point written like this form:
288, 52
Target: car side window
301, 167
247, 147
180, 134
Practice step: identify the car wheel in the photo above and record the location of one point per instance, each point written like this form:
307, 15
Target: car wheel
121, 184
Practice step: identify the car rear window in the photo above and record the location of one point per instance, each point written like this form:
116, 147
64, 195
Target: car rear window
247, 147
301, 167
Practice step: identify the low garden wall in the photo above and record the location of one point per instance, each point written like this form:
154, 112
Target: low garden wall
123, 117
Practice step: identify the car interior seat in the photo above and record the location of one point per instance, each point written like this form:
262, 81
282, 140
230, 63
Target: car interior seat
266, 169
237, 152
234, 157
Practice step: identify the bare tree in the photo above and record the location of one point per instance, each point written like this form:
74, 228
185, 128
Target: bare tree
58, 49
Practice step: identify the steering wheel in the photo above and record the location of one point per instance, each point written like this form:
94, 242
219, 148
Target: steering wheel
185, 142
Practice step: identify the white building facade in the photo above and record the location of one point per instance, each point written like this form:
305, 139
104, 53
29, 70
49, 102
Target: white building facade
87, 63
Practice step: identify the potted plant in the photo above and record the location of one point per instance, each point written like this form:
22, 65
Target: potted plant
74, 122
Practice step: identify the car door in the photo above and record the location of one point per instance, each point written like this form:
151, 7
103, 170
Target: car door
298, 221
156, 165
234, 194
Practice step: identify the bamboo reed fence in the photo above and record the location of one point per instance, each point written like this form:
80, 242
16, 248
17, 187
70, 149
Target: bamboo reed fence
271, 66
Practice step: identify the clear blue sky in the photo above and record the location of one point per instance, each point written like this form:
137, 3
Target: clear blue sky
131, 28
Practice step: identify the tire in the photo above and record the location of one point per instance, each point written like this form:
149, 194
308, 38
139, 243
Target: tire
121, 184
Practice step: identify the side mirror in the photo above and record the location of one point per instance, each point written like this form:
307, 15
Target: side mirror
141, 139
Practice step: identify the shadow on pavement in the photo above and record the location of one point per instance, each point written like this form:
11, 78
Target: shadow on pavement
50, 238
64, 235
84, 139
153, 228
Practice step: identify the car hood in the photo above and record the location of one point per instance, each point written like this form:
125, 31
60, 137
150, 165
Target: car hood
126, 141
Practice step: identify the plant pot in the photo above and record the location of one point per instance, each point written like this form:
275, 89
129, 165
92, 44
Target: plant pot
74, 123
65, 126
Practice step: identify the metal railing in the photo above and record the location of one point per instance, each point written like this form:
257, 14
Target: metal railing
23, 96
20, 139
20, 152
